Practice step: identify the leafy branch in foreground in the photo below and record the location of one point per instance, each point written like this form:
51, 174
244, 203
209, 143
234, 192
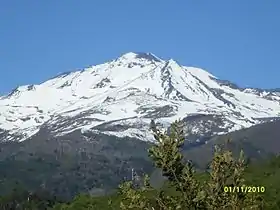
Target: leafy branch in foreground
225, 170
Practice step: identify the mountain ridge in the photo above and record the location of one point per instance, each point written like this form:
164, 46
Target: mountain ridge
131, 90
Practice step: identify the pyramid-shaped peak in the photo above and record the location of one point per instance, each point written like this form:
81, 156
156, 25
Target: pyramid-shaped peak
140, 55
172, 62
148, 56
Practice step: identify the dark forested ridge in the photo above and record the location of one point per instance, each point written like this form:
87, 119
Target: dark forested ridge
67, 167
258, 142
56, 170
265, 173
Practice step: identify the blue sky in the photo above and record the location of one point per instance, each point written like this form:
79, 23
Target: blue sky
235, 40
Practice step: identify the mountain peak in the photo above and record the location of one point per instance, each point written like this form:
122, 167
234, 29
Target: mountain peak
139, 55
128, 56
135, 88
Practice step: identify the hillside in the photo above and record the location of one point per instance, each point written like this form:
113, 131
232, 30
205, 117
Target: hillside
264, 174
67, 166
258, 142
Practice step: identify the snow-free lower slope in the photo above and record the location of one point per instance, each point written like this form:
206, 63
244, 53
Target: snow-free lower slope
128, 92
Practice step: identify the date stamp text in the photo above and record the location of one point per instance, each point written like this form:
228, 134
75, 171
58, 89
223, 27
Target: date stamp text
244, 189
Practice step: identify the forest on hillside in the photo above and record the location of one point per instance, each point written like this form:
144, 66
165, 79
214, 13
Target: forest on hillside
184, 187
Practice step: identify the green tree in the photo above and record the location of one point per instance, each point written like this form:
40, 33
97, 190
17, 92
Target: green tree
225, 171
228, 172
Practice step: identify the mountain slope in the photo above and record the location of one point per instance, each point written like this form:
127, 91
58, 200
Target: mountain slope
258, 142
96, 163
84, 131
120, 98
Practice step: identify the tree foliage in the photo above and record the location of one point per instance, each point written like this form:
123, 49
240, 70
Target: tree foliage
20, 199
225, 170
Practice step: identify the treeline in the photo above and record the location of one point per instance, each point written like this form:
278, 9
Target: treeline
265, 173
21, 199
223, 186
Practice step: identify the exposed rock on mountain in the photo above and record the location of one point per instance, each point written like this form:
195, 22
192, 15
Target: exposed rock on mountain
120, 98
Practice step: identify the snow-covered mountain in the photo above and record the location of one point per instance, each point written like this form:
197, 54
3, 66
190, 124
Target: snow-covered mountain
121, 97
